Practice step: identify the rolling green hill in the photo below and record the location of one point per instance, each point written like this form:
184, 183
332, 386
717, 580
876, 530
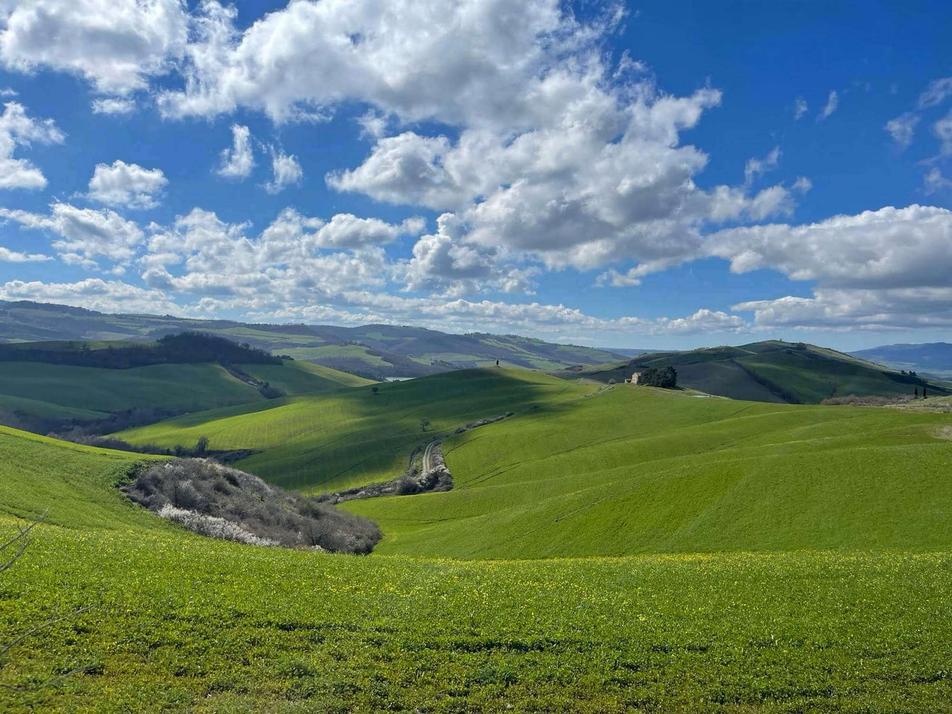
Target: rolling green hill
350, 437
45, 397
585, 471
772, 371
113, 609
635, 470
372, 351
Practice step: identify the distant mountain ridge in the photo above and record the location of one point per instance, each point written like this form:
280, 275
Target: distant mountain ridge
775, 371
373, 351
932, 357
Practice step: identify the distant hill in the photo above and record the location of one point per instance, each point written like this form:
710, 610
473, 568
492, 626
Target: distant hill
773, 371
103, 386
933, 358
371, 351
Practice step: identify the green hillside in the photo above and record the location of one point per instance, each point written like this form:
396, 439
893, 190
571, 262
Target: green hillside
350, 437
583, 471
113, 609
773, 371
643, 470
48, 395
372, 351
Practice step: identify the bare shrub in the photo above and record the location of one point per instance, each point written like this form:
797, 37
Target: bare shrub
212, 526
223, 502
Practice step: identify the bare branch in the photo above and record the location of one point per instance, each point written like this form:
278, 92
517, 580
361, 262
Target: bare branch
13, 548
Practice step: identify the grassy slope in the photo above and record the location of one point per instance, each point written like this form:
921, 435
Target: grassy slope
63, 391
643, 470
351, 437
179, 622
179, 386
616, 472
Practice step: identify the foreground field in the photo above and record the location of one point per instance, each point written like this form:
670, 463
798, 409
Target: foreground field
175, 621
773, 558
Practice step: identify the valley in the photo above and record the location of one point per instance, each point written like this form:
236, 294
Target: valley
601, 546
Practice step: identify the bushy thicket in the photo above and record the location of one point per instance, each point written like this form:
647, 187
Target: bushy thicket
666, 377
196, 492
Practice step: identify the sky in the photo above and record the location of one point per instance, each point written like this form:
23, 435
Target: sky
641, 174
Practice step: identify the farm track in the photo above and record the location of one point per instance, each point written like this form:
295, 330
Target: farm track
427, 461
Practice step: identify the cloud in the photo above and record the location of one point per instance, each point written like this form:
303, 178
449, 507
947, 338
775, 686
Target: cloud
885, 269
407, 58
757, 167
800, 107
83, 234
891, 247
802, 185
856, 309
832, 103
128, 185
943, 131
114, 44
286, 170
295, 252
346, 230
903, 128
16, 130
114, 105
237, 161
511, 115
12, 256
936, 93
93, 293
407, 168
934, 181
702, 321
442, 262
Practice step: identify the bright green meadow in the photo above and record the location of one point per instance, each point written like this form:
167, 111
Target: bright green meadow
604, 549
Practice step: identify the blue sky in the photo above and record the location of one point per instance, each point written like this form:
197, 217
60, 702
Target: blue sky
638, 174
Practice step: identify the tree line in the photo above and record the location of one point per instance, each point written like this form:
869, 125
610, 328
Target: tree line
182, 348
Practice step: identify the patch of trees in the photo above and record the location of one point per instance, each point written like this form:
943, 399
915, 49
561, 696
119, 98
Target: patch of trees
223, 502
183, 348
664, 377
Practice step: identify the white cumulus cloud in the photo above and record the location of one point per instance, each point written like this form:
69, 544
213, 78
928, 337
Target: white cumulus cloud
83, 234
129, 185
17, 129
115, 44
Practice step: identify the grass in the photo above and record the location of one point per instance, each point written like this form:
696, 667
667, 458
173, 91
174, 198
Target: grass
185, 387
580, 472
636, 469
357, 353
182, 622
351, 437
86, 393
778, 558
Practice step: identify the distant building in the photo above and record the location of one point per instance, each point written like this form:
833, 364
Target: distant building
634, 378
